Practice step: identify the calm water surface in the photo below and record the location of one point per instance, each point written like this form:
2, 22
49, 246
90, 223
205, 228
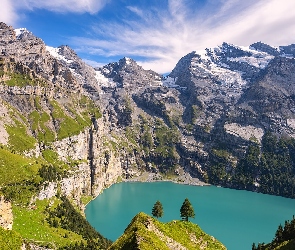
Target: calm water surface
236, 218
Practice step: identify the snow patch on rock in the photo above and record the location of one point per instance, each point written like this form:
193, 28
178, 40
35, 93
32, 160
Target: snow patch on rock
170, 82
104, 81
55, 53
20, 31
256, 61
226, 76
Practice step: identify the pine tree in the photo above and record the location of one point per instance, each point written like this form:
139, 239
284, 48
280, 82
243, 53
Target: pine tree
157, 210
279, 234
187, 210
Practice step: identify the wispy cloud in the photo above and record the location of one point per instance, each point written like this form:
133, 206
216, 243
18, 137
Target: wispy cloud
135, 10
158, 36
93, 63
10, 9
8, 12
79, 6
163, 36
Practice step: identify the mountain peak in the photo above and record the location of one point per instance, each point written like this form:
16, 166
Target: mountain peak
127, 61
263, 47
7, 34
24, 34
4, 26
20, 31
67, 52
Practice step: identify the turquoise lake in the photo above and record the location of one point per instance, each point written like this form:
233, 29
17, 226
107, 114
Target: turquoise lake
236, 218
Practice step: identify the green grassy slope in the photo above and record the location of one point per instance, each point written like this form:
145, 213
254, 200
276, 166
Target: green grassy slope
145, 232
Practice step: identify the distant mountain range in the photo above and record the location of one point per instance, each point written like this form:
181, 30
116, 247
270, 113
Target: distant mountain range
224, 116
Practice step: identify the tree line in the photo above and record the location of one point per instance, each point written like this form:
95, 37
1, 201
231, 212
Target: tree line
65, 216
267, 168
283, 233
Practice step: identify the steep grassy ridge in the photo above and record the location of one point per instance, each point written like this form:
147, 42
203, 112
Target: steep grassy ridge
147, 233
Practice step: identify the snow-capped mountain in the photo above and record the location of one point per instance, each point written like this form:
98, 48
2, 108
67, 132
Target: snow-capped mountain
216, 80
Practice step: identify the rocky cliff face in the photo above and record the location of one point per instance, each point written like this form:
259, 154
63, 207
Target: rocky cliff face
45, 88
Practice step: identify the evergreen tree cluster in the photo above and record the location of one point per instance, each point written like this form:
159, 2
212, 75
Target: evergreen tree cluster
282, 234
66, 217
267, 168
89, 245
270, 169
49, 173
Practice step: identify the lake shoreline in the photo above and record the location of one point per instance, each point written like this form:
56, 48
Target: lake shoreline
147, 177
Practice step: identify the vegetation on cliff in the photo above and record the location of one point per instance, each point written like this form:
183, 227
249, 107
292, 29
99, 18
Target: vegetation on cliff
37, 221
284, 238
267, 168
10, 240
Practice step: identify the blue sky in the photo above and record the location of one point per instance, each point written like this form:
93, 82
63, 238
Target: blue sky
156, 33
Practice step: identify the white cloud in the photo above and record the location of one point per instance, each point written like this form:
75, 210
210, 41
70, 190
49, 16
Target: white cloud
7, 12
272, 22
164, 36
93, 63
78, 6
135, 10
11, 10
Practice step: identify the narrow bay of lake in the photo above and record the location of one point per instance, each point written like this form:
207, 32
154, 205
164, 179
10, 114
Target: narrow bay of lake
236, 218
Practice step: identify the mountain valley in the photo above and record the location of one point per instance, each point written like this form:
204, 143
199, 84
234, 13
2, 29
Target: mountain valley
224, 116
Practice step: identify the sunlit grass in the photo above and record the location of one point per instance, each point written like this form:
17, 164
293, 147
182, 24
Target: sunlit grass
32, 225
16, 168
